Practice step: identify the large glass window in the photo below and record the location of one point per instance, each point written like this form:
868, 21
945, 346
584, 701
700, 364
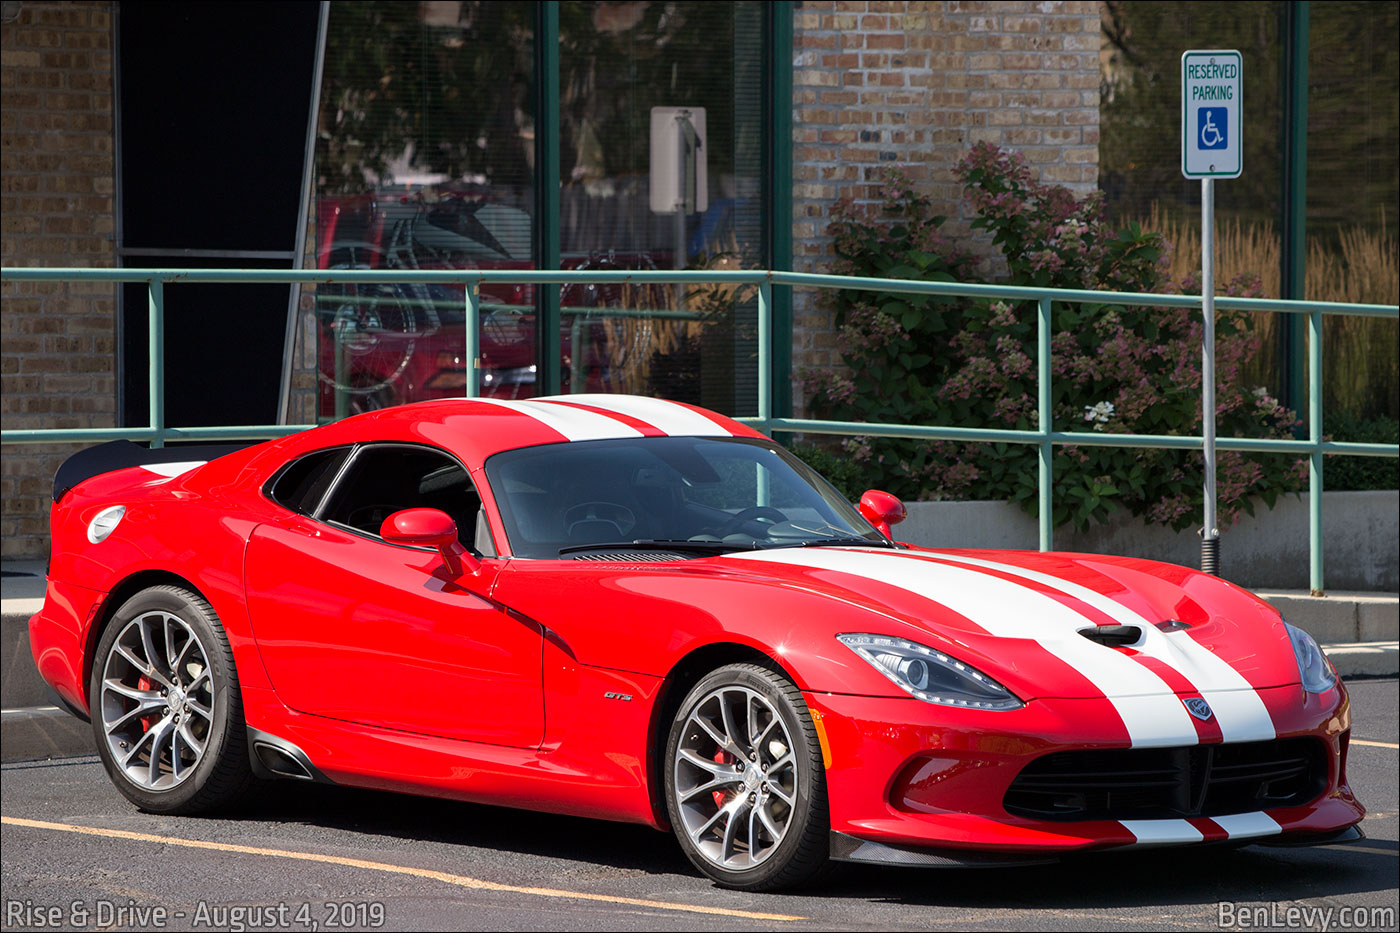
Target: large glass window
1353, 146
424, 161
1140, 115
660, 162
427, 159
1353, 193
1140, 149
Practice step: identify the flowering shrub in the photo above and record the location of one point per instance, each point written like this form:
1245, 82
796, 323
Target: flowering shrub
1116, 369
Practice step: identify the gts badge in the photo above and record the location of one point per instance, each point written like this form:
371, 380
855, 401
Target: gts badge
624, 697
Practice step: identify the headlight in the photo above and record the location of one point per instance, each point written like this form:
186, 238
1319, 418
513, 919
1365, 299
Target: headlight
1317, 672
930, 675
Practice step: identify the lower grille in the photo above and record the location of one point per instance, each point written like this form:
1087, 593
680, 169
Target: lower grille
1159, 783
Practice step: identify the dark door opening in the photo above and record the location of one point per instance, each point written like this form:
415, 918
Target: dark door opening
213, 102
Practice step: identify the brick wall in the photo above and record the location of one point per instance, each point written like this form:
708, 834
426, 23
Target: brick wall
915, 84
57, 209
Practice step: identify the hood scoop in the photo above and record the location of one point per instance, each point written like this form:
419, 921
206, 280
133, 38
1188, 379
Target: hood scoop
1113, 636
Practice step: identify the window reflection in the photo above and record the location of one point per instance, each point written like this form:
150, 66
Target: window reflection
694, 68
423, 161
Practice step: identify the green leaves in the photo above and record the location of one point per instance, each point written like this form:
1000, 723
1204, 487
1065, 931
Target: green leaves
919, 359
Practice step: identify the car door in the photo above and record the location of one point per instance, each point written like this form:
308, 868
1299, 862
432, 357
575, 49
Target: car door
357, 629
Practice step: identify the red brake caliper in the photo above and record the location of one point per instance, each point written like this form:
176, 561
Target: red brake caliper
144, 683
721, 796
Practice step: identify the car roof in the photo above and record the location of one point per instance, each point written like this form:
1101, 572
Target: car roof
479, 427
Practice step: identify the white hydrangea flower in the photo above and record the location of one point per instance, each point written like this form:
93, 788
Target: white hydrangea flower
1099, 414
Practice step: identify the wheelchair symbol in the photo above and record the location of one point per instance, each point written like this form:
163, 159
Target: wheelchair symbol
1212, 127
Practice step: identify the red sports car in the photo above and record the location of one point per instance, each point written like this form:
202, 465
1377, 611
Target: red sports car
632, 609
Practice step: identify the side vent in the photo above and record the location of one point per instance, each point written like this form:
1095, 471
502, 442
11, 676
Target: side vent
280, 762
275, 757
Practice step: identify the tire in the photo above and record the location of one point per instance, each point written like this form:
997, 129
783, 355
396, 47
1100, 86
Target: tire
166, 709
747, 829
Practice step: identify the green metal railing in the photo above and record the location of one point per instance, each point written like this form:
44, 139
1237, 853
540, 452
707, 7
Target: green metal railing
1044, 438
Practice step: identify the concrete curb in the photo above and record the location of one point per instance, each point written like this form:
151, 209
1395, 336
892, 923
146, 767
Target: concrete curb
1340, 616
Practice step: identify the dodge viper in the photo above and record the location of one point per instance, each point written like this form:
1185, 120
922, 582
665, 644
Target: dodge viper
633, 609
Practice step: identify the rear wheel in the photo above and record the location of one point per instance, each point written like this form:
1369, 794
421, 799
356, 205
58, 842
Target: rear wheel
166, 709
745, 784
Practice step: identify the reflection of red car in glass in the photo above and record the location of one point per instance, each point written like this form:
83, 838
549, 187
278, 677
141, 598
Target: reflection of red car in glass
387, 344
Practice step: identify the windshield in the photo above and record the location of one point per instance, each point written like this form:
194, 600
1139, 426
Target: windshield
712, 494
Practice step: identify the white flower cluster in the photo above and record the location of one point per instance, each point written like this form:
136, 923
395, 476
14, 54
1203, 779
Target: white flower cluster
1099, 414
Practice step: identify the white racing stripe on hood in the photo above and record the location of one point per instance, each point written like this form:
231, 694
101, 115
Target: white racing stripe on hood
673, 419
1236, 704
1151, 712
574, 423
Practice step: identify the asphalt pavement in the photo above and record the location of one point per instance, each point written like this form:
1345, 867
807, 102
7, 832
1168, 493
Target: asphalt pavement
309, 857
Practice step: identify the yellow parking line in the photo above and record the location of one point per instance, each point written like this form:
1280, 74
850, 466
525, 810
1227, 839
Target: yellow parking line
1374, 744
460, 880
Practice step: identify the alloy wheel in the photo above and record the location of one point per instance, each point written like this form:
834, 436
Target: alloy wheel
157, 700
735, 778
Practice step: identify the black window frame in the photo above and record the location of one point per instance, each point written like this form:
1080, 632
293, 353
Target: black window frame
347, 470
357, 450
282, 471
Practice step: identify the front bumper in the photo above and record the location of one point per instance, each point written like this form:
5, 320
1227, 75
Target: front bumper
915, 777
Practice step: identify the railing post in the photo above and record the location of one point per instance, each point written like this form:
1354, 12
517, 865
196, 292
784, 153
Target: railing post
1046, 424
473, 347
547, 233
765, 361
155, 307
1315, 458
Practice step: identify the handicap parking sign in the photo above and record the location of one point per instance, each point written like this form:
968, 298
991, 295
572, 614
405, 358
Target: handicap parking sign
1212, 114
1212, 127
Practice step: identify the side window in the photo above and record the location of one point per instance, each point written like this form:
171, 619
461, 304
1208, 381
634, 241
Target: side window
301, 486
386, 478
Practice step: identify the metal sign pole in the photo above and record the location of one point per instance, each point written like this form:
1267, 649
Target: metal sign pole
1212, 146
1210, 533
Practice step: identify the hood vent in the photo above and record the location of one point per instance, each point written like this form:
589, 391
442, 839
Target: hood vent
1113, 636
632, 557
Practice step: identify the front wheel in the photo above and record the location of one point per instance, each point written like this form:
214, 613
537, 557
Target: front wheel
166, 709
745, 784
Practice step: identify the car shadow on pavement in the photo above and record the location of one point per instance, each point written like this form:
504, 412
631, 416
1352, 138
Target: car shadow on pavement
609, 845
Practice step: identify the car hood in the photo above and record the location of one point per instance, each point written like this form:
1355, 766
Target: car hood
1022, 617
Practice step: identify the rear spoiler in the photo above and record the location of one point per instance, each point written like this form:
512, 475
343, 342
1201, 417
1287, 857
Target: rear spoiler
119, 455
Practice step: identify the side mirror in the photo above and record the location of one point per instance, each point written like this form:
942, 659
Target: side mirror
430, 528
881, 510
